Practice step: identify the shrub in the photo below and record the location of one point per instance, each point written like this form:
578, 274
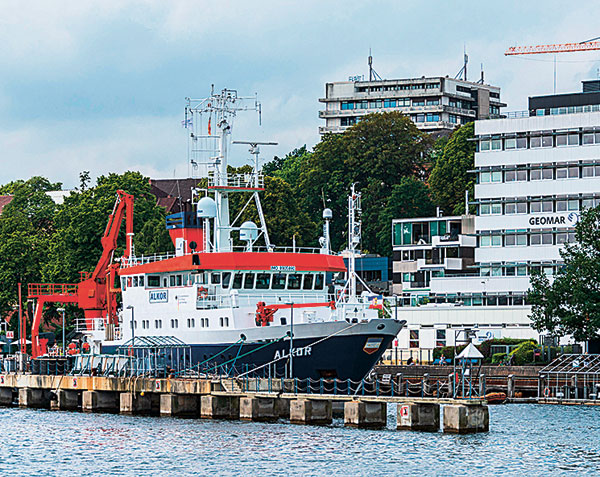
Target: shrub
498, 358
524, 353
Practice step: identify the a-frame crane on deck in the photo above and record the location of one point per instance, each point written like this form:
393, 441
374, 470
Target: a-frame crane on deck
95, 294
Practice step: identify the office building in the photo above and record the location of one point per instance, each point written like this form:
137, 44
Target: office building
435, 104
536, 172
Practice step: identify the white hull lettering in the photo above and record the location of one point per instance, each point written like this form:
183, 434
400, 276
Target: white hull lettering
296, 352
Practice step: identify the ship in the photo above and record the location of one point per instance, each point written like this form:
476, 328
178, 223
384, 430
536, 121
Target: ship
228, 300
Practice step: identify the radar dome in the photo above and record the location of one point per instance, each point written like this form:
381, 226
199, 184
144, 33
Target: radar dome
206, 208
327, 214
248, 231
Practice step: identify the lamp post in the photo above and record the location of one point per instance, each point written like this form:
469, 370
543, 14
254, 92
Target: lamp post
62, 310
130, 307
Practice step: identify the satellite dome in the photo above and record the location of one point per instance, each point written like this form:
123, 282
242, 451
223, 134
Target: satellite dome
248, 231
206, 208
327, 214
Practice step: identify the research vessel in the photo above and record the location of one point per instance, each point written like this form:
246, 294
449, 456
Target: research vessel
234, 301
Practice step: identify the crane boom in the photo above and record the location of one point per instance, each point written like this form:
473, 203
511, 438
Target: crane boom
556, 48
95, 294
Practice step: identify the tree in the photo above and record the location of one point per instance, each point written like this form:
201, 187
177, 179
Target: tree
410, 198
570, 304
81, 221
375, 154
25, 231
450, 177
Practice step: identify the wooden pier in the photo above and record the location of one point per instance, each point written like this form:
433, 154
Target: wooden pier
264, 400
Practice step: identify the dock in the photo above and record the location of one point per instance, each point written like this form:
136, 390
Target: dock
259, 399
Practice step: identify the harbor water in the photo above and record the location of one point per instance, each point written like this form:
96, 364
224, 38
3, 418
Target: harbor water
523, 440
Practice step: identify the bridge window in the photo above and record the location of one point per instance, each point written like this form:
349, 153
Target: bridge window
262, 281
294, 281
129, 281
308, 281
179, 280
278, 281
319, 281
237, 280
215, 278
249, 281
124, 283
226, 279
141, 280
172, 280
135, 281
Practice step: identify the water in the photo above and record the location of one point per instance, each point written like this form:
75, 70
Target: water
523, 440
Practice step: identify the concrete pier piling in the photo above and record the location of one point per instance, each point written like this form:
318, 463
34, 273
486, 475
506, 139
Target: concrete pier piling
361, 414
419, 417
219, 407
100, 401
32, 397
135, 403
462, 419
65, 400
6, 397
182, 405
257, 409
306, 411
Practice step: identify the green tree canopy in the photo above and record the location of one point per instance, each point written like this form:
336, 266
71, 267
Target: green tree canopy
375, 154
410, 198
80, 223
25, 232
570, 304
450, 176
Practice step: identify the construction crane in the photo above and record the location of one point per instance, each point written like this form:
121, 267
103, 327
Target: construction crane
95, 294
588, 45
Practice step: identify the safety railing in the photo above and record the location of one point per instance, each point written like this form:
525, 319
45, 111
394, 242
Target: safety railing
46, 289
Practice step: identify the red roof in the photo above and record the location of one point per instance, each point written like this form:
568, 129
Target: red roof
302, 262
4, 201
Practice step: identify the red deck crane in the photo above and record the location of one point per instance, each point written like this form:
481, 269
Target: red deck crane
95, 294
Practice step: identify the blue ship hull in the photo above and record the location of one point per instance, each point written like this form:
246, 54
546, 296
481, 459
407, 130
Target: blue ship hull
342, 357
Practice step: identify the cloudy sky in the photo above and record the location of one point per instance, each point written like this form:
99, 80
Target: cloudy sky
100, 86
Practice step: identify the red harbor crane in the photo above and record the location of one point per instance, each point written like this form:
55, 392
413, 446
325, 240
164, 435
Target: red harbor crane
95, 294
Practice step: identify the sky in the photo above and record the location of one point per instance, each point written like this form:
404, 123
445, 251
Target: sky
101, 86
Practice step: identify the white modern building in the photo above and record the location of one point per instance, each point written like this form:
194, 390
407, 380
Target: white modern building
435, 104
535, 174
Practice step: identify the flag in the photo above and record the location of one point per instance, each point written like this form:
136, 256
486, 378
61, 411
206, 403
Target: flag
187, 123
376, 302
209, 126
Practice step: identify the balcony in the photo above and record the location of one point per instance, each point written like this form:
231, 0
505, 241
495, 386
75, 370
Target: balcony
440, 264
454, 241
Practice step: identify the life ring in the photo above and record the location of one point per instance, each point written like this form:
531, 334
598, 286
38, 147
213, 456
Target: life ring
130, 352
546, 392
202, 292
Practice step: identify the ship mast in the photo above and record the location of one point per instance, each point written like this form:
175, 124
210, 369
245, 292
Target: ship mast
211, 153
354, 234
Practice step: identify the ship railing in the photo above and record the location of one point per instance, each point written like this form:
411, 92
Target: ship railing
145, 259
83, 325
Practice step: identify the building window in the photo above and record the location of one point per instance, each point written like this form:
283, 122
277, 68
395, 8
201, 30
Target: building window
535, 141
510, 143
546, 141
440, 338
414, 339
485, 145
521, 143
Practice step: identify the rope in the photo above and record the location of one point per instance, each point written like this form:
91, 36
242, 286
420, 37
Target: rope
287, 357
